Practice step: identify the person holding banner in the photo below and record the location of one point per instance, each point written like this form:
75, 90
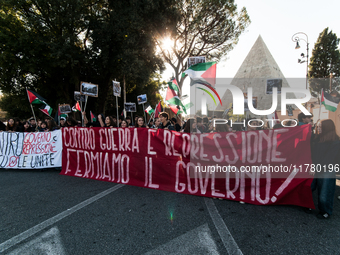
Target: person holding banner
190, 126
177, 127
63, 122
124, 124
325, 153
11, 126
128, 120
156, 124
140, 123
51, 125
27, 127
199, 123
109, 122
32, 123
43, 127
165, 123
151, 124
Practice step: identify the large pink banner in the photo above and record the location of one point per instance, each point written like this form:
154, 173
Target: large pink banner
258, 167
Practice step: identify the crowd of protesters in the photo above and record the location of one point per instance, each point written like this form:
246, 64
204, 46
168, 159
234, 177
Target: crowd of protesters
325, 143
190, 125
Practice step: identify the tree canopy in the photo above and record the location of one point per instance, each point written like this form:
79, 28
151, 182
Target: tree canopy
50, 46
325, 60
208, 28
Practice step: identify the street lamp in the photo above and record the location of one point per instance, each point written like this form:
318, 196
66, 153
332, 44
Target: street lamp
296, 38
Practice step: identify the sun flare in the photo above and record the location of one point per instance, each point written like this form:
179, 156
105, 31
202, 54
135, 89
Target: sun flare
167, 44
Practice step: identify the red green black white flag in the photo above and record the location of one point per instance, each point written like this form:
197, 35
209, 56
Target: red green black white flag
35, 98
330, 103
46, 109
93, 118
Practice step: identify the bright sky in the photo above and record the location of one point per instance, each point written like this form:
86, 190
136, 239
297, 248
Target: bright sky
277, 21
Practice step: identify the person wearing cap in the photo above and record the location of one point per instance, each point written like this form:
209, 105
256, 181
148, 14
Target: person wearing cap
63, 122
32, 122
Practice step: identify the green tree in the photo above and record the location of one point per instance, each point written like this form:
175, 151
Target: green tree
325, 60
50, 46
208, 28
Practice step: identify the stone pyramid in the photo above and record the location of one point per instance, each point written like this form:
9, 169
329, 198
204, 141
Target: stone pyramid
258, 66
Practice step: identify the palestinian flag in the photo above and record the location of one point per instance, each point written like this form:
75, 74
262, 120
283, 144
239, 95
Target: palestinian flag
173, 85
149, 110
172, 98
46, 109
330, 103
158, 109
34, 98
62, 114
93, 118
203, 73
189, 105
76, 107
176, 109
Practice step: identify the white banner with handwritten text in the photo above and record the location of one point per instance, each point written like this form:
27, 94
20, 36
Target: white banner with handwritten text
30, 150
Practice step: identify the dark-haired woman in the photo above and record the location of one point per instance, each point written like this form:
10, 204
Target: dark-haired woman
109, 122
51, 125
124, 124
140, 123
325, 153
190, 126
27, 127
43, 127
11, 126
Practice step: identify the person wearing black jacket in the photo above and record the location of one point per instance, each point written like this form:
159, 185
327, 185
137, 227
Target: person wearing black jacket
27, 127
325, 153
165, 123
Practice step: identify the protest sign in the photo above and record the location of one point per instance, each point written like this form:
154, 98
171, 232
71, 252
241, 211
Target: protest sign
172, 161
30, 150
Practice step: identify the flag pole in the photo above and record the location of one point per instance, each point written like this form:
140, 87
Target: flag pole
85, 103
179, 119
152, 114
117, 111
117, 104
36, 123
132, 119
82, 116
144, 114
156, 110
320, 104
58, 116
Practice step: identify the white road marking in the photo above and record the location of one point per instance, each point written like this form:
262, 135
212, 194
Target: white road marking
32, 231
226, 237
196, 241
48, 243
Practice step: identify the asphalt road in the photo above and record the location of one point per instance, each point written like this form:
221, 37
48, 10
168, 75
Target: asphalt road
48, 213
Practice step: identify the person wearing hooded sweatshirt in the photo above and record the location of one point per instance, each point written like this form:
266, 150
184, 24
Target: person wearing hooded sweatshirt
325, 153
